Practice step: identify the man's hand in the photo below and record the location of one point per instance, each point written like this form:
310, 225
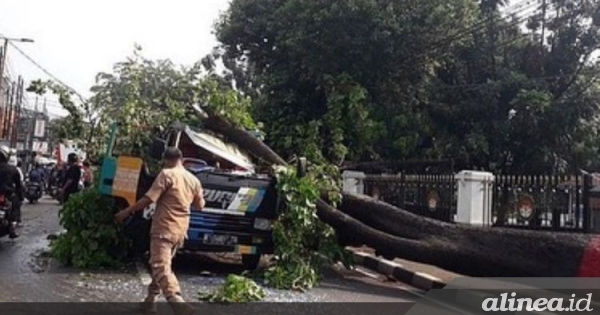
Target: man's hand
122, 215
138, 206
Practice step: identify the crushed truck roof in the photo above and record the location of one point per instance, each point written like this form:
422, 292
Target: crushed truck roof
220, 148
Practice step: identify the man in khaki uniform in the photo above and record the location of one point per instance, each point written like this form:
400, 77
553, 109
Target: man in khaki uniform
173, 191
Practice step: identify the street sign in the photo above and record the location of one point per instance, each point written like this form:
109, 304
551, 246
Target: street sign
40, 128
40, 147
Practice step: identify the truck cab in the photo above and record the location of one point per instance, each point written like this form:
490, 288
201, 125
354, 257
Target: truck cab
241, 205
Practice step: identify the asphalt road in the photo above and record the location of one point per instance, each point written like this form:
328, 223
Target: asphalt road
27, 275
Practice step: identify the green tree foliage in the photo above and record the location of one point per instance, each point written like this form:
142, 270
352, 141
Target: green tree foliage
92, 238
531, 107
144, 96
303, 244
338, 78
237, 289
72, 126
371, 79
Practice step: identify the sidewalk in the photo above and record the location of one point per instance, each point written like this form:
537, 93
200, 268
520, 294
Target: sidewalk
444, 276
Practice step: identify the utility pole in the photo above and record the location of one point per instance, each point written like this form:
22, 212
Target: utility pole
5, 53
17, 120
3, 112
13, 103
7, 109
6, 119
3, 61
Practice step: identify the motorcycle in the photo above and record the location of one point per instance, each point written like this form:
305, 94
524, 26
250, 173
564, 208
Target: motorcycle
53, 191
6, 209
33, 191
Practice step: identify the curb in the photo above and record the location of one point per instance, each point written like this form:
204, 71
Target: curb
395, 270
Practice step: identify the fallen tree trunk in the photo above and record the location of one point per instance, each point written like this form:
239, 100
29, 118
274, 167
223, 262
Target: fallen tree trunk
477, 251
468, 250
242, 138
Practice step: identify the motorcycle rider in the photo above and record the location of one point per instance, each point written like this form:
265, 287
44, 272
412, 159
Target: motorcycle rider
73, 178
11, 186
37, 175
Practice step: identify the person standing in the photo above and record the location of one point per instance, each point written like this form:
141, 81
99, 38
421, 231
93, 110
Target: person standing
53, 178
174, 190
13, 161
72, 179
88, 175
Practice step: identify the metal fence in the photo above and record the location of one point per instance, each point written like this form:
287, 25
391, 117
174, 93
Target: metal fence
432, 196
558, 203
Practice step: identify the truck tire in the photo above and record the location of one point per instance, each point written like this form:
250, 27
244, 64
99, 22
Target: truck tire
250, 262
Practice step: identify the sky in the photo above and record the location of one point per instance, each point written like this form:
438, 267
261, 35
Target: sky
77, 39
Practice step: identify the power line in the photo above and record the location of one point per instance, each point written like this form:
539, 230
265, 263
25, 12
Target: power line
482, 24
475, 85
434, 47
49, 103
46, 71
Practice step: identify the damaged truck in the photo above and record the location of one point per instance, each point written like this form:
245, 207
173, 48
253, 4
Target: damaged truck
241, 204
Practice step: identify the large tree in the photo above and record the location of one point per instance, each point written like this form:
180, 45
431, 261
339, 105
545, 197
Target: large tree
369, 79
340, 78
529, 105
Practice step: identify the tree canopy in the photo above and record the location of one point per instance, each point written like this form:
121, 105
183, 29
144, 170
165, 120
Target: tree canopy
371, 79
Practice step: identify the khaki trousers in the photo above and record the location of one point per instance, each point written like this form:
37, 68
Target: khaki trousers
162, 250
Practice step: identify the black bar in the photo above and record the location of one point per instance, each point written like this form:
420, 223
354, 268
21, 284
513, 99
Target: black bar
587, 213
402, 190
556, 180
578, 200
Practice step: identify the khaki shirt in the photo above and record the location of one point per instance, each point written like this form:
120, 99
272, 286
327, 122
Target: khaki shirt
173, 191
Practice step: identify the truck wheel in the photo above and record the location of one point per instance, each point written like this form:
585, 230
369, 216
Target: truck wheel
250, 262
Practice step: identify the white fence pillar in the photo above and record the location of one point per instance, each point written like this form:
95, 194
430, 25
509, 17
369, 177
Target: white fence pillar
475, 192
353, 182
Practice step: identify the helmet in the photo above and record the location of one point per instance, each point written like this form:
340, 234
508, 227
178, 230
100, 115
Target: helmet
13, 161
5, 152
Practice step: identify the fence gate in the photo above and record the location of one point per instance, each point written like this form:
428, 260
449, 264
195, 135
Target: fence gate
558, 203
432, 196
